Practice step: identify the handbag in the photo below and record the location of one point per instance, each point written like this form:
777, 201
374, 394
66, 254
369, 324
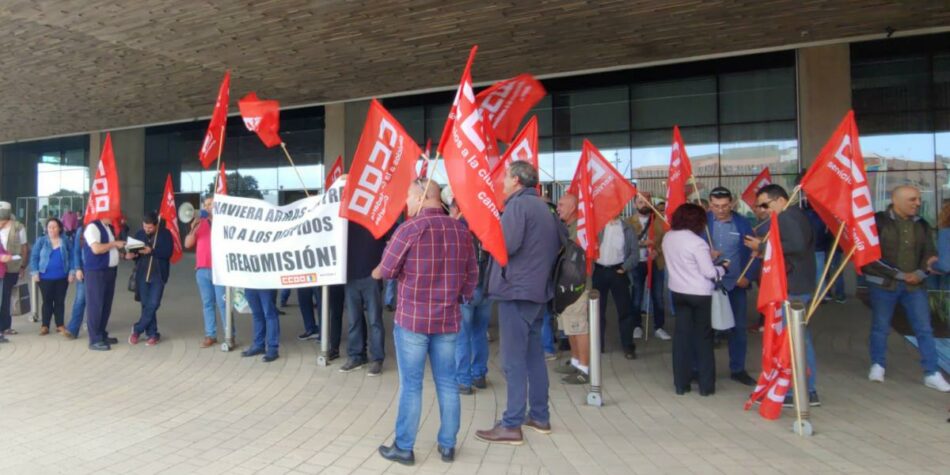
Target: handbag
722, 317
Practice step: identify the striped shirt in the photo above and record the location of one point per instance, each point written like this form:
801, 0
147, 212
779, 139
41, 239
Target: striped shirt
432, 258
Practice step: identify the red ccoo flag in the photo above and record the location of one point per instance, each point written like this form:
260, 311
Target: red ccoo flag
382, 170
262, 117
776, 374
465, 146
524, 148
336, 171
586, 218
222, 186
214, 137
104, 198
505, 103
680, 173
837, 188
763, 179
169, 214
610, 190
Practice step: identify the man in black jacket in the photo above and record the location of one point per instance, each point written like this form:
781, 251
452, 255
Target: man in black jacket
798, 248
907, 256
151, 272
367, 336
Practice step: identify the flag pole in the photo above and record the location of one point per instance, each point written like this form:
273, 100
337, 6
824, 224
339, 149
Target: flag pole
827, 267
217, 175
834, 277
158, 227
766, 237
283, 146
786, 308
658, 213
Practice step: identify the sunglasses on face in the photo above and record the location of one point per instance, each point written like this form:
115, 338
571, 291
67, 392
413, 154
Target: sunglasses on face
765, 205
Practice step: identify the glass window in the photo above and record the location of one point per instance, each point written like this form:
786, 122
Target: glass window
413, 119
748, 148
682, 102
882, 182
598, 110
890, 84
756, 96
651, 151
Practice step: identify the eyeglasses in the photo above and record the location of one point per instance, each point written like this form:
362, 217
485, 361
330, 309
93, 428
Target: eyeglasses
764, 205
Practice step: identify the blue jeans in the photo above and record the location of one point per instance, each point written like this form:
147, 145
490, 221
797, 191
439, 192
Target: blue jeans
284, 296
411, 351
738, 336
837, 287
210, 294
917, 309
522, 359
364, 295
657, 295
810, 358
471, 353
150, 293
265, 319
390, 296
547, 333
305, 299
79, 308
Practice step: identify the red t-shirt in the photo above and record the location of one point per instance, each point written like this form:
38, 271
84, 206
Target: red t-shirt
203, 245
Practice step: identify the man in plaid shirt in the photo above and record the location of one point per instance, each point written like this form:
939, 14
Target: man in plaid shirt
433, 260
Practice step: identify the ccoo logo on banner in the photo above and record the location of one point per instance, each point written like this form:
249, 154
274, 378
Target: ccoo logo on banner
257, 245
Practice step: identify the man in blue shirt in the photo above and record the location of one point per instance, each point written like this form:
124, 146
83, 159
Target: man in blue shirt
728, 230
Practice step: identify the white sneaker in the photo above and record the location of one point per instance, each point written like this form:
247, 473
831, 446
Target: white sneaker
662, 334
937, 382
638, 333
877, 373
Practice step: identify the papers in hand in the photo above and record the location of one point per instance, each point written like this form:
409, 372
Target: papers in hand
15, 257
132, 244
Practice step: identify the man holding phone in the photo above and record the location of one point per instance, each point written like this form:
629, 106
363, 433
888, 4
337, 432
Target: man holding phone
211, 295
728, 231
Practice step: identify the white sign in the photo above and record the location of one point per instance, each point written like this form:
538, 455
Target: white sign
256, 245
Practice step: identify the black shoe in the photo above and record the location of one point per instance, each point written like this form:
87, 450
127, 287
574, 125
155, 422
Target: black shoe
630, 353
375, 368
352, 365
333, 355
395, 454
742, 377
682, 391
309, 336
465, 390
707, 393
448, 454
390, 308
813, 400
100, 346
252, 352
480, 383
112, 340
789, 400
270, 357
281, 312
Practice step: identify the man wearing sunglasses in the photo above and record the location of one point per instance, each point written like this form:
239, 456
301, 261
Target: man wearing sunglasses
728, 231
798, 248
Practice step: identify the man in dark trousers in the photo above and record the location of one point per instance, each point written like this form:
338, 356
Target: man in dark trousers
101, 262
364, 301
522, 289
152, 265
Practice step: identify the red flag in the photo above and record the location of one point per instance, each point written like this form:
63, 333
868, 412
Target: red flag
776, 374
610, 190
424, 170
262, 117
524, 148
222, 188
837, 188
169, 214
428, 149
336, 171
464, 144
680, 172
505, 103
763, 179
214, 137
586, 219
104, 198
383, 166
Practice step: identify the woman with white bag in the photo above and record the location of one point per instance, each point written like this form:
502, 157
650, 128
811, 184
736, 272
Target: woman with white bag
692, 275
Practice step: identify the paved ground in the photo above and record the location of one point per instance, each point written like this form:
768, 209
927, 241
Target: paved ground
176, 408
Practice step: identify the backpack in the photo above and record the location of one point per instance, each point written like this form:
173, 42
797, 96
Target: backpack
570, 275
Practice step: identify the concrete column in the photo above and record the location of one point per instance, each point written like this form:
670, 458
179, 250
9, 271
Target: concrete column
343, 124
824, 95
129, 149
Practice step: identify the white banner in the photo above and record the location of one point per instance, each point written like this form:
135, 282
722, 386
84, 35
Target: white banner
257, 245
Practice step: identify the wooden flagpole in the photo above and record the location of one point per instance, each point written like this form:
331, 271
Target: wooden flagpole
834, 277
827, 267
658, 213
283, 146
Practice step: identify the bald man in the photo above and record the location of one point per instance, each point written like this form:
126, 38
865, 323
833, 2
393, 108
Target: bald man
432, 257
907, 257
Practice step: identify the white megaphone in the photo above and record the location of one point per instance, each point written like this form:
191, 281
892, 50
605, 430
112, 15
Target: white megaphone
186, 213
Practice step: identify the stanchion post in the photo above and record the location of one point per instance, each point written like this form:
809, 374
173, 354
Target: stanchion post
323, 359
34, 301
795, 312
594, 397
229, 343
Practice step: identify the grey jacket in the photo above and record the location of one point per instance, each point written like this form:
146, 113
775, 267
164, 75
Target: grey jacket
532, 237
631, 247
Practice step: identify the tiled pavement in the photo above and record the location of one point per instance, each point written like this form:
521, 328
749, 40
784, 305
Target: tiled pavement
176, 408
